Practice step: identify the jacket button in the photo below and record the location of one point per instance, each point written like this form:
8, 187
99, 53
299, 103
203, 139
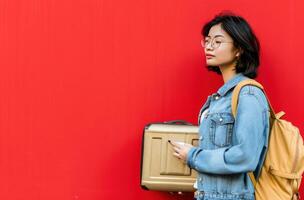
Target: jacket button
221, 119
217, 97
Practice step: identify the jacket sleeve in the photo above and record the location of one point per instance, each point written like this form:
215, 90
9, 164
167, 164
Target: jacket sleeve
249, 128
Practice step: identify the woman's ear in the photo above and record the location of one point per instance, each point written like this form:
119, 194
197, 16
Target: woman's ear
239, 52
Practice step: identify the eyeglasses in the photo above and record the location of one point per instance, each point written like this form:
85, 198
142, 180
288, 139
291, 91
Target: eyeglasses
215, 43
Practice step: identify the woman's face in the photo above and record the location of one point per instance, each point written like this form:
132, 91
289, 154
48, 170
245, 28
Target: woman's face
226, 54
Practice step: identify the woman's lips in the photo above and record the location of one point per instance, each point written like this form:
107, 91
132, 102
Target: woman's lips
209, 56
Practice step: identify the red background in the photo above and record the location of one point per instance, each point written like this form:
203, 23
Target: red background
79, 80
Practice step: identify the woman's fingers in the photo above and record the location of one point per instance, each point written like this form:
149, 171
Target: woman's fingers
176, 154
176, 144
188, 145
180, 145
181, 150
176, 149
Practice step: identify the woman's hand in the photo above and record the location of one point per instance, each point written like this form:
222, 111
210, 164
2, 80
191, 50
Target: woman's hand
181, 150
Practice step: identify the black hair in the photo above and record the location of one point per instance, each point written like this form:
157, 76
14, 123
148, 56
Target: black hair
243, 38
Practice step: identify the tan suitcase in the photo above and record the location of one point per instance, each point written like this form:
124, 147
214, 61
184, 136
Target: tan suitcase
160, 170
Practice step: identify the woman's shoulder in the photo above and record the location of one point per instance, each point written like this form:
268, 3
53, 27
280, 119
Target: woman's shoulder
255, 92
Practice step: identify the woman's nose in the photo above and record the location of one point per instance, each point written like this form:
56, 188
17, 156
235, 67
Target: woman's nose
208, 46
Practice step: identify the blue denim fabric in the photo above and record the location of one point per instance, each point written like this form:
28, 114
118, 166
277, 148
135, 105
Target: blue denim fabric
230, 147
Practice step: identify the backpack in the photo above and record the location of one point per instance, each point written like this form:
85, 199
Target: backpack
282, 169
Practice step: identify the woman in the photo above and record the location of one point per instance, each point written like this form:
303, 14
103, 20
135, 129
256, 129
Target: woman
229, 147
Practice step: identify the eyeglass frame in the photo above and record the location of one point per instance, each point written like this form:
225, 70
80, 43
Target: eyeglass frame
212, 43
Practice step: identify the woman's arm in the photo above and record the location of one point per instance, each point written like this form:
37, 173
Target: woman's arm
249, 127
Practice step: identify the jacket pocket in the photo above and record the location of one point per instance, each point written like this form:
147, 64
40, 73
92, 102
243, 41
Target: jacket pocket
221, 129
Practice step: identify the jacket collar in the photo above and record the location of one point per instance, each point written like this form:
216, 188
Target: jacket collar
231, 83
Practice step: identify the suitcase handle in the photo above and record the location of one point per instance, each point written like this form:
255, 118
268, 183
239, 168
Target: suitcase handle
177, 122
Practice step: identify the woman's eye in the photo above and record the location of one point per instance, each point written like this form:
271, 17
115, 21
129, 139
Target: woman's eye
218, 42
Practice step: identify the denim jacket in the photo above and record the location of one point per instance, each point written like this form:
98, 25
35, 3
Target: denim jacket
230, 147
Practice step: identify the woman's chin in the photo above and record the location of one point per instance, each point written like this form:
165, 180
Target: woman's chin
210, 63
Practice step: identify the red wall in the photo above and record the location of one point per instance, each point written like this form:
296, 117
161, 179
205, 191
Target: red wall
79, 79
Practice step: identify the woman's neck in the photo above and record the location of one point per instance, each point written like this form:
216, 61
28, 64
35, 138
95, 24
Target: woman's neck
227, 75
